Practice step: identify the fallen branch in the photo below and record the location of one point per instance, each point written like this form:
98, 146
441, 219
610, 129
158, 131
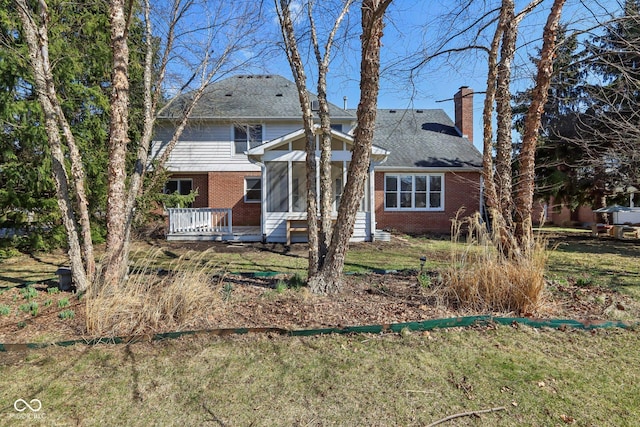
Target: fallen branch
466, 414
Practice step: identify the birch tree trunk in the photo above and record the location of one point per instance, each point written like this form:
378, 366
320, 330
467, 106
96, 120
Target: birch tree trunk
329, 278
297, 68
115, 259
526, 158
498, 173
326, 183
81, 258
504, 118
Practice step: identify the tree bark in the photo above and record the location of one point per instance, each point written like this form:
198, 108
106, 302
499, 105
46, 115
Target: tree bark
38, 44
504, 145
498, 174
297, 68
329, 278
490, 193
115, 260
526, 177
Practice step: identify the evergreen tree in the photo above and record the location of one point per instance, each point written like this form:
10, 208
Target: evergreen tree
558, 174
610, 128
79, 45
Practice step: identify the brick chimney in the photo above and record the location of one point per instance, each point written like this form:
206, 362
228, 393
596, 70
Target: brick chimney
463, 101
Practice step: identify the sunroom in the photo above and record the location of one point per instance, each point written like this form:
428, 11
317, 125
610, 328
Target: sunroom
284, 185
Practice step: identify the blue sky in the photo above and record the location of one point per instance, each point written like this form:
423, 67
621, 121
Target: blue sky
414, 24
413, 27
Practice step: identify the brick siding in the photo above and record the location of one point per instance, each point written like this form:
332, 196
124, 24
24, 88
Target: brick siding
461, 190
226, 190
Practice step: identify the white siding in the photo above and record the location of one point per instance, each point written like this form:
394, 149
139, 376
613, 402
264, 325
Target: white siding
276, 130
202, 148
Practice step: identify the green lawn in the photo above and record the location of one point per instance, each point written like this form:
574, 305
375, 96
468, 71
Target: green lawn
540, 377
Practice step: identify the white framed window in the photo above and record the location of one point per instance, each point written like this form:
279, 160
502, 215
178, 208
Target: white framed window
414, 192
246, 137
253, 189
181, 186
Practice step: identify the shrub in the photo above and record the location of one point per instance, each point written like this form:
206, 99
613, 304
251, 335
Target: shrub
149, 302
481, 278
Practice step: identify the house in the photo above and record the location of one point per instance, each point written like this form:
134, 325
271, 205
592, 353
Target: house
244, 152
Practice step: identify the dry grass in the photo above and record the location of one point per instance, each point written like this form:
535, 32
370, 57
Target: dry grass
480, 278
151, 300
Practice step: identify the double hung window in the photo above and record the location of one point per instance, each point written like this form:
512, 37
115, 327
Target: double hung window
246, 137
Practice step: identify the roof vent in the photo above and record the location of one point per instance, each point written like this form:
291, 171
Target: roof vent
419, 111
278, 94
227, 94
392, 111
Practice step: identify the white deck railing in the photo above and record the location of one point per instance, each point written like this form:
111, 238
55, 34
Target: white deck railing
199, 220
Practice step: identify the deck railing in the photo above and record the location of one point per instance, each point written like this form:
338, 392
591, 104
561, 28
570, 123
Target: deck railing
199, 220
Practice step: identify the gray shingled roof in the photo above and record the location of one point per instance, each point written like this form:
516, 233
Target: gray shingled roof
250, 96
423, 138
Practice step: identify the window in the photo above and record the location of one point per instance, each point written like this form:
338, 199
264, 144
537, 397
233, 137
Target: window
246, 137
336, 126
252, 190
181, 186
277, 187
178, 186
416, 192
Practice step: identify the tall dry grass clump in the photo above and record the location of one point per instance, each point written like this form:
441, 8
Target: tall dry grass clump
481, 278
153, 300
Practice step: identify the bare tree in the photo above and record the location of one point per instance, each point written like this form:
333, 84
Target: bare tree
508, 191
230, 27
326, 255
318, 238
526, 157
80, 247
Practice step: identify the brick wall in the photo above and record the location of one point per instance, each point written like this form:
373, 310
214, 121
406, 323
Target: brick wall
226, 190
200, 183
561, 215
461, 190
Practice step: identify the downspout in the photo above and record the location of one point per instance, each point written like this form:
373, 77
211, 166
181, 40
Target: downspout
371, 202
372, 195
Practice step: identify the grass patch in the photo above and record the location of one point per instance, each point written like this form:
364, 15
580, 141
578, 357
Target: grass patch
602, 261
67, 314
542, 377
